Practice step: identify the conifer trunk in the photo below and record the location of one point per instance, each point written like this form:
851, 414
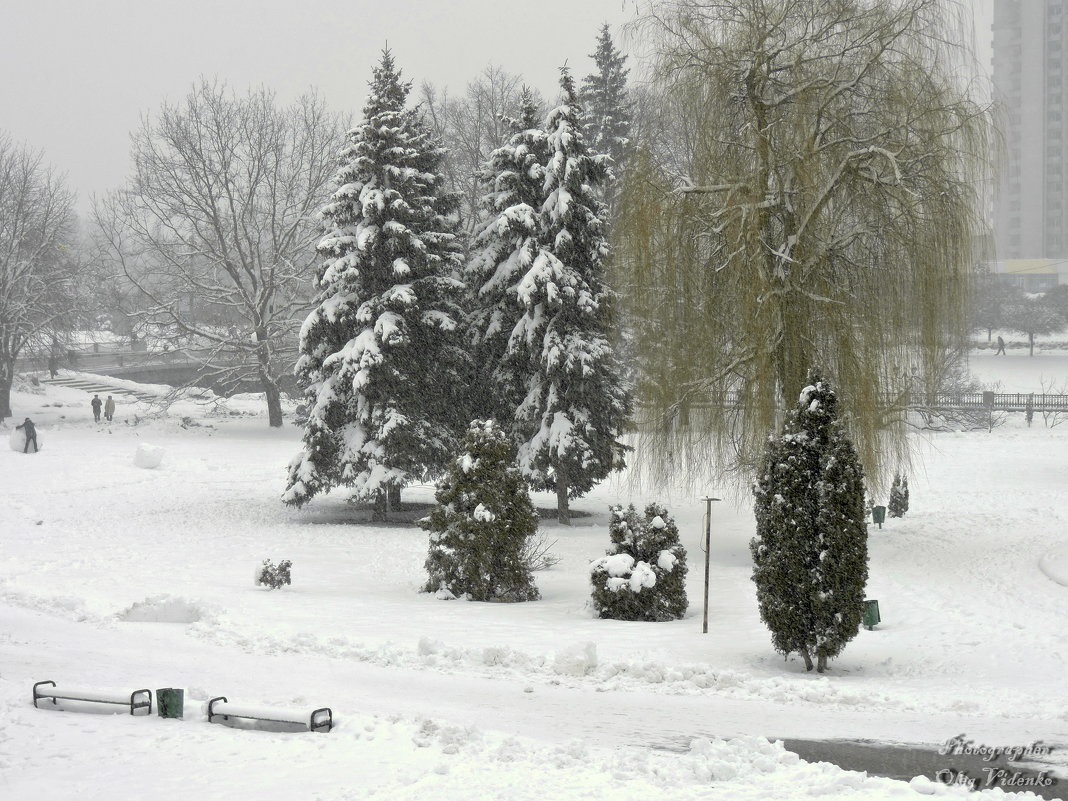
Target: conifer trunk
380, 513
393, 497
808, 658
5, 397
563, 512
821, 663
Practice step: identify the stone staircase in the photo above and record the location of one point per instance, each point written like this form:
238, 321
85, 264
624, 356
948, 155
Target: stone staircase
99, 387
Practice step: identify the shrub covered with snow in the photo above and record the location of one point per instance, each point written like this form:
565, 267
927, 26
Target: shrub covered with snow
274, 576
899, 496
482, 521
643, 577
810, 554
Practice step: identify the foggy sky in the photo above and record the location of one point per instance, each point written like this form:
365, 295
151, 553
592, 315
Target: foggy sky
76, 75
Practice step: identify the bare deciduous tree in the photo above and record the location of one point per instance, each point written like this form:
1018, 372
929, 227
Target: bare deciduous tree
809, 198
37, 263
217, 227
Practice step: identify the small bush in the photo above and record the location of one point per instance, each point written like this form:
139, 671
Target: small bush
899, 496
643, 577
274, 576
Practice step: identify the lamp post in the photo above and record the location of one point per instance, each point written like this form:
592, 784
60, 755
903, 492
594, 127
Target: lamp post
708, 547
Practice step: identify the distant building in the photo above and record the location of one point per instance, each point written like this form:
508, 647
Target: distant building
1031, 275
1030, 50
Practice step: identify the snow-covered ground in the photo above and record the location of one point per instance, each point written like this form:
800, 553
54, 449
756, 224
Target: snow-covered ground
116, 575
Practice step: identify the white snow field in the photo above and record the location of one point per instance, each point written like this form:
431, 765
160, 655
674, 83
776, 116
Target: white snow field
112, 575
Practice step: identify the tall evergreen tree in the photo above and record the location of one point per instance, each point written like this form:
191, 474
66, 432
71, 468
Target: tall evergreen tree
574, 403
604, 97
381, 355
505, 245
810, 554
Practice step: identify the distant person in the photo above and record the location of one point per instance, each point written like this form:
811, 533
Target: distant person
1001, 347
31, 435
96, 404
53, 366
109, 408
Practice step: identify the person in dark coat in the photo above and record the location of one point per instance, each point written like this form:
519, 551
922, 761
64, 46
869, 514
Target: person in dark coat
109, 409
96, 403
1001, 347
31, 435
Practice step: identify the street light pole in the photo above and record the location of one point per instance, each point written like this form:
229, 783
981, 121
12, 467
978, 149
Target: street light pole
708, 547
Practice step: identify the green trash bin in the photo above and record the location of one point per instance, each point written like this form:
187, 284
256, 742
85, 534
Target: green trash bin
170, 702
871, 614
878, 515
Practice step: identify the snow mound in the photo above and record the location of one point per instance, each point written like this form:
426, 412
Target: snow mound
17, 440
148, 456
164, 609
576, 660
1055, 565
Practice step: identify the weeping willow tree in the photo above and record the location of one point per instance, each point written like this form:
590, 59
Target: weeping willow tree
807, 195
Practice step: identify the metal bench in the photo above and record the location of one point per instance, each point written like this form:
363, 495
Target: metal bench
134, 700
319, 720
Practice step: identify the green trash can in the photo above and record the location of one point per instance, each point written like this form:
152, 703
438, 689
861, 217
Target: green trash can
878, 515
871, 614
170, 702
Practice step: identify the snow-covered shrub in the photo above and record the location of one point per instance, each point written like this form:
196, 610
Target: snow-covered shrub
899, 496
643, 577
275, 576
810, 554
481, 524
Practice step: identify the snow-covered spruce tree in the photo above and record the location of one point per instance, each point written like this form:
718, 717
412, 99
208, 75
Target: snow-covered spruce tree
575, 403
607, 106
898, 503
504, 246
643, 577
810, 554
482, 520
381, 355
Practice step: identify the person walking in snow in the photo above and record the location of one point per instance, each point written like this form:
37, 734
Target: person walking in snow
1001, 347
109, 409
31, 435
95, 403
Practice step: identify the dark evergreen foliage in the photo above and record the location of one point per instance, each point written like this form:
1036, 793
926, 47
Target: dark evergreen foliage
644, 575
382, 361
899, 496
607, 106
810, 554
481, 523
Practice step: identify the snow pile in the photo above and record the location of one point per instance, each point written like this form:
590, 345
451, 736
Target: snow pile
1055, 565
17, 440
148, 456
576, 660
164, 609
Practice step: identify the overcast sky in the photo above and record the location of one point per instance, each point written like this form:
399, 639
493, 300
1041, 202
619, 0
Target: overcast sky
75, 75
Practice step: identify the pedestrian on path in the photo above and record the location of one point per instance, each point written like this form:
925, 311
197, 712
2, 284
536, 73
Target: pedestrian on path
96, 404
1001, 347
31, 435
109, 408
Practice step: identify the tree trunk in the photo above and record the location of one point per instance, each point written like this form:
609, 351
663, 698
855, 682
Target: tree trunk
821, 663
1031, 341
562, 510
808, 658
5, 397
393, 497
380, 514
270, 388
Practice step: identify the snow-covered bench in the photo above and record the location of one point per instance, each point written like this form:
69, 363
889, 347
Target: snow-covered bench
132, 699
319, 719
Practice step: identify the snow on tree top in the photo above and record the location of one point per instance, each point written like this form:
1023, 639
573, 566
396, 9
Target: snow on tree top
657, 522
806, 394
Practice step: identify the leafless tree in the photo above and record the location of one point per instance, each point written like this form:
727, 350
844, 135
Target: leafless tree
38, 263
471, 126
217, 224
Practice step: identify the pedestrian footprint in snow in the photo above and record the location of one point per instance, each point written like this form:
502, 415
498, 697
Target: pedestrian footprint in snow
109, 408
95, 403
1001, 347
31, 435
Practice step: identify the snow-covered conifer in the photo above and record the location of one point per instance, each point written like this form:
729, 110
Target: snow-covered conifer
898, 503
574, 402
810, 554
381, 353
643, 577
481, 523
505, 245
604, 96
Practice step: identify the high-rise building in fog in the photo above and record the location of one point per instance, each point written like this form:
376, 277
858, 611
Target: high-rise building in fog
1030, 46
